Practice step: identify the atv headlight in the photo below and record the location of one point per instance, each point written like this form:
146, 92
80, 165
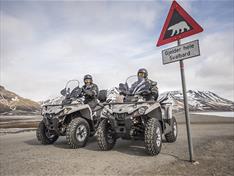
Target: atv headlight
66, 110
141, 111
106, 113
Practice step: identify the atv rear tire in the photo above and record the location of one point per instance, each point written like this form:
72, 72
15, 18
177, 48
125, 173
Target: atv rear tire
105, 135
153, 137
77, 133
172, 136
44, 136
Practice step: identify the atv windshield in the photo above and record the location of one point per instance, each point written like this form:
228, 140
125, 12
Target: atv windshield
71, 85
71, 90
136, 85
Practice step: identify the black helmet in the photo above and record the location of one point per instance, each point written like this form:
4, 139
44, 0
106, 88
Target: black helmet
144, 71
88, 77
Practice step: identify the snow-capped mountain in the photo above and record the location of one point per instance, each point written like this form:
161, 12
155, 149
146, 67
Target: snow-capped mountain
52, 101
199, 101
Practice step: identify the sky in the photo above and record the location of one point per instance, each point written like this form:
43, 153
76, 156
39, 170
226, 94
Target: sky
43, 44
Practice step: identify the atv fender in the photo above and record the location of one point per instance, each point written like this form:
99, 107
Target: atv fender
167, 111
154, 111
84, 110
153, 107
110, 118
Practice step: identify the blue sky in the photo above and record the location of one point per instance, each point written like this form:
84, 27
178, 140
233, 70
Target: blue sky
46, 43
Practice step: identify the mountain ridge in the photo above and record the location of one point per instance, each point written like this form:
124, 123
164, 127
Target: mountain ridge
198, 100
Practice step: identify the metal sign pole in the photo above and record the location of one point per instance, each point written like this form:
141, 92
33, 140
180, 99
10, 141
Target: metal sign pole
186, 109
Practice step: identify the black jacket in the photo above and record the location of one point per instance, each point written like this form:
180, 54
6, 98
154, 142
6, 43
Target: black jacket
90, 93
152, 93
153, 90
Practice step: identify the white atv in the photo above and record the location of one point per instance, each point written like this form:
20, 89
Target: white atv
137, 119
72, 118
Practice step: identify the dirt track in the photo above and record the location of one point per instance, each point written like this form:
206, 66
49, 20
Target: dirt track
21, 154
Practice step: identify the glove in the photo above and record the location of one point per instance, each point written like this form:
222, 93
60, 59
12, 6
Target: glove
89, 93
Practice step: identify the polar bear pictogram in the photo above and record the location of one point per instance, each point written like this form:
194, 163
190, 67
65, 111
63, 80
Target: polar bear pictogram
179, 28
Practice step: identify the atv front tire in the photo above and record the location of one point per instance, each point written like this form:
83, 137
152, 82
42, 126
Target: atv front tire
153, 137
172, 136
44, 135
77, 133
105, 135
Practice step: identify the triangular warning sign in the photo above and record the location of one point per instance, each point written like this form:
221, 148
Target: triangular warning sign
179, 24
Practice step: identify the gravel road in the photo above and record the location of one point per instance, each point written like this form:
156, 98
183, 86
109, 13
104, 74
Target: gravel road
21, 154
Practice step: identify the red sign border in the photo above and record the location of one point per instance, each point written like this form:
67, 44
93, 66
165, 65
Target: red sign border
196, 27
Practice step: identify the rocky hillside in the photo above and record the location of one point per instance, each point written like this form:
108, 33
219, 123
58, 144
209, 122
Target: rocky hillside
13, 104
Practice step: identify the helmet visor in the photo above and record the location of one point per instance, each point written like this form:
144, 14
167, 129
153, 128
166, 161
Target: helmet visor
88, 81
141, 74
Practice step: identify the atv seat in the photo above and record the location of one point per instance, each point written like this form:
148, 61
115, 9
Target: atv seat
164, 101
102, 95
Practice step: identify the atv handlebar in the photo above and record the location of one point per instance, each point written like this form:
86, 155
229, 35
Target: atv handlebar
114, 103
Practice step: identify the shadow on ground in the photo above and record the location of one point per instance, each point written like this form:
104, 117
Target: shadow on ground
129, 147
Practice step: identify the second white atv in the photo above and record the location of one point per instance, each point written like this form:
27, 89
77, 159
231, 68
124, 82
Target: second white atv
137, 119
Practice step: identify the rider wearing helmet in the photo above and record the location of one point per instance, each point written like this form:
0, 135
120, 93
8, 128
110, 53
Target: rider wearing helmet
90, 91
153, 89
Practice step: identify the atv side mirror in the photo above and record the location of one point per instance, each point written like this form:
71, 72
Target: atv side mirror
123, 88
63, 92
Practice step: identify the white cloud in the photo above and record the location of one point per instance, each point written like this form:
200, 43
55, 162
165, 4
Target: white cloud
108, 40
15, 34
